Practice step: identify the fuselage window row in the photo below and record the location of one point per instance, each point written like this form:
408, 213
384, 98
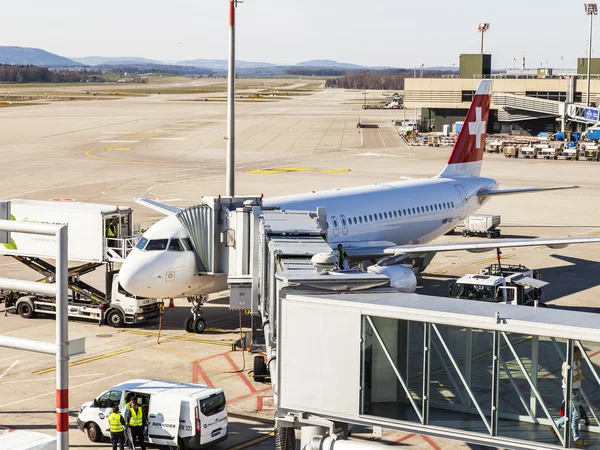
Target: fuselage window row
392, 214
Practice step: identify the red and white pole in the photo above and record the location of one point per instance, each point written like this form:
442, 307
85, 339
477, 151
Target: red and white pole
62, 341
230, 170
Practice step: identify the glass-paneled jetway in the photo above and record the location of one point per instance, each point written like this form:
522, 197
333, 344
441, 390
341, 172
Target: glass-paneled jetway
479, 372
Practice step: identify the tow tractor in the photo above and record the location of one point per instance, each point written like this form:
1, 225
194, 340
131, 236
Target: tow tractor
511, 284
91, 245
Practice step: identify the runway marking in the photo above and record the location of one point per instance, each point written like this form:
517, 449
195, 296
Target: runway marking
118, 141
3, 374
86, 360
179, 338
10, 357
334, 170
35, 380
168, 139
380, 154
489, 260
53, 392
120, 149
253, 441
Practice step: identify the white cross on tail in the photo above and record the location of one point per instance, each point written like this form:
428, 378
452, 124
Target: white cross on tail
478, 127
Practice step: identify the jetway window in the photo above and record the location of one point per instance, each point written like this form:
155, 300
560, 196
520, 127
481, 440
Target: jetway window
157, 245
175, 245
141, 243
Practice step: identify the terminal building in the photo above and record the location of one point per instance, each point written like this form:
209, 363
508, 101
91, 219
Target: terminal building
525, 102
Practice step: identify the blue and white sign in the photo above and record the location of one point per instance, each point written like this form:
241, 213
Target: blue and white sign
590, 114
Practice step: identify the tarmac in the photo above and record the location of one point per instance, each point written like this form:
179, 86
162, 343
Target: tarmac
113, 151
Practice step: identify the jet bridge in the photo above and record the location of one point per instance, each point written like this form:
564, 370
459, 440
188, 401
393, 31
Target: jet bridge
346, 348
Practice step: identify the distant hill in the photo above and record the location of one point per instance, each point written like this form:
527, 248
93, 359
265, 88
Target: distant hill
327, 63
114, 60
33, 56
221, 64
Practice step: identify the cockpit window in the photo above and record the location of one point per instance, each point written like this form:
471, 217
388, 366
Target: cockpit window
141, 243
187, 244
157, 245
175, 245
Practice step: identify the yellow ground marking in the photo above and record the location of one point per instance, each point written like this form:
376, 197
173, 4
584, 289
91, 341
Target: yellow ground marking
597, 233
86, 360
121, 149
247, 444
490, 260
179, 338
439, 272
541, 247
295, 169
334, 170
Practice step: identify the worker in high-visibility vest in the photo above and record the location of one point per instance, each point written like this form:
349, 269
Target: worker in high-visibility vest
117, 428
134, 419
111, 233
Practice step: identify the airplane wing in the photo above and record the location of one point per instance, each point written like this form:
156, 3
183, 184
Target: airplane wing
492, 192
167, 210
480, 247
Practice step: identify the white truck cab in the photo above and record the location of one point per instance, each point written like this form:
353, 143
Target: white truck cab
181, 415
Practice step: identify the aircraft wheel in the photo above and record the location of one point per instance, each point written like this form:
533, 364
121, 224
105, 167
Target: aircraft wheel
199, 325
188, 325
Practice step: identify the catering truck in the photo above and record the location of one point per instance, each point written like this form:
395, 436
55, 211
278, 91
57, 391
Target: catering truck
99, 237
180, 415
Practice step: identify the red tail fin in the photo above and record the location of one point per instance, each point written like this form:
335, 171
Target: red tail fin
467, 154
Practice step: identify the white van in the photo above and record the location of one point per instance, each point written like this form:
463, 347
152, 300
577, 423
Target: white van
181, 415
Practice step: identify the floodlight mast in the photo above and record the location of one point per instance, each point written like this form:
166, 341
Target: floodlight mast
482, 28
591, 9
230, 169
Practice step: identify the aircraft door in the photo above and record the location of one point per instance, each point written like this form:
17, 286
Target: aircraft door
463, 203
336, 229
344, 224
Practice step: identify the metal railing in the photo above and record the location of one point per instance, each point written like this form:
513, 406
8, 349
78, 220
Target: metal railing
117, 249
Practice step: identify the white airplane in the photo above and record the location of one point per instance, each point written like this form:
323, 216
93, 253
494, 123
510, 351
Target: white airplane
394, 220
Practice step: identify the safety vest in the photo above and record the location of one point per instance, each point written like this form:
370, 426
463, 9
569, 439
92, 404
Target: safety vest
111, 230
115, 423
136, 418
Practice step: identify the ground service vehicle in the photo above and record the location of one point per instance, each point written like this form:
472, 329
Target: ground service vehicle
181, 415
482, 225
511, 152
494, 147
513, 284
570, 153
591, 152
433, 141
529, 152
89, 244
547, 152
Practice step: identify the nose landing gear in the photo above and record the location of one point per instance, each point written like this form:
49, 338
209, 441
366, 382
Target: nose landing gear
195, 323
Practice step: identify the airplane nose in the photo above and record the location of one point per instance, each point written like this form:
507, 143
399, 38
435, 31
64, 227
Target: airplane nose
132, 277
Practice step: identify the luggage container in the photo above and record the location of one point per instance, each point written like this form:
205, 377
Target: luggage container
482, 225
529, 152
511, 152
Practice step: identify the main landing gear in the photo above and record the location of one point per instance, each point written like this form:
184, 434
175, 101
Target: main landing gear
195, 323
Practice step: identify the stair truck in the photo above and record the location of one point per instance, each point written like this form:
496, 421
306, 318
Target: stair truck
90, 246
511, 284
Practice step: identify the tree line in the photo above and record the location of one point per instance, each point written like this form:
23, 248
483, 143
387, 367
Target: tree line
35, 74
392, 79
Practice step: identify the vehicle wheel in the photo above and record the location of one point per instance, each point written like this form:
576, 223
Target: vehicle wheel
260, 369
26, 308
285, 439
115, 318
556, 157
535, 157
199, 325
465, 233
93, 432
488, 235
188, 325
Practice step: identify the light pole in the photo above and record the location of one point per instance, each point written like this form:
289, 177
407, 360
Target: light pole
483, 27
230, 169
591, 9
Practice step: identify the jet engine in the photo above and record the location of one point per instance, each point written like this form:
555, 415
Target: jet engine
401, 276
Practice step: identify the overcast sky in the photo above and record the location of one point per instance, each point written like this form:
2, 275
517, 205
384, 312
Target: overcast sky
400, 33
